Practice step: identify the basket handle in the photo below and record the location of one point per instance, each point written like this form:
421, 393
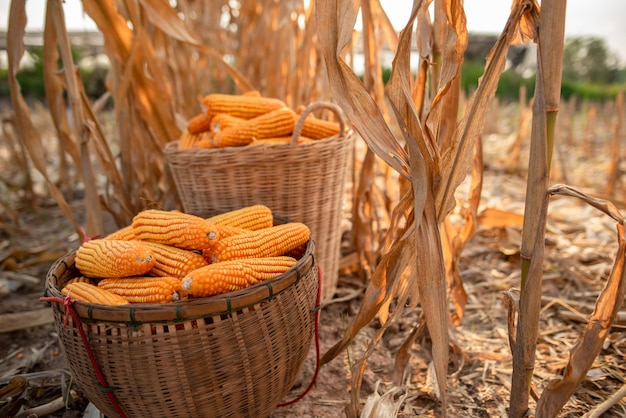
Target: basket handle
312, 107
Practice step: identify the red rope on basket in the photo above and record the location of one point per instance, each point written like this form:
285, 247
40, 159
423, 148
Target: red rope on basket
67, 303
318, 305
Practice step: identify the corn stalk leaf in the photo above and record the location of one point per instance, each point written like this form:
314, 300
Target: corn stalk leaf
95, 220
27, 131
429, 273
360, 108
608, 303
455, 160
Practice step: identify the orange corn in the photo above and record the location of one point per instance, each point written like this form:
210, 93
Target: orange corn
113, 258
81, 279
144, 289
172, 261
85, 292
199, 123
235, 136
275, 123
206, 141
125, 233
226, 231
269, 242
224, 120
175, 228
187, 139
249, 217
316, 128
244, 106
232, 275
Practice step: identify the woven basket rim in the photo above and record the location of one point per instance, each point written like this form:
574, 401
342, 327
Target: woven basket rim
171, 147
179, 311
345, 131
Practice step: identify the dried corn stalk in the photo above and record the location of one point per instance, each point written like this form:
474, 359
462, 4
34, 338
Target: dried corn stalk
163, 60
432, 152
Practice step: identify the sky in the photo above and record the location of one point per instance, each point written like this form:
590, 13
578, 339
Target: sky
601, 18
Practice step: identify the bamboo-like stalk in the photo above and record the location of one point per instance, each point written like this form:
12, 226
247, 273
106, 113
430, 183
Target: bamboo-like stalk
613, 175
545, 110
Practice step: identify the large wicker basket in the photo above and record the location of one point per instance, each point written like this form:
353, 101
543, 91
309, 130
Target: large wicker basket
302, 182
233, 355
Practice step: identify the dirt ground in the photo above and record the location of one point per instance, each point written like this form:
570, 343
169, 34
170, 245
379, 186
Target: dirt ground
479, 384
580, 245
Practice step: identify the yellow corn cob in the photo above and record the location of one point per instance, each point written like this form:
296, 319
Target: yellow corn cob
199, 123
85, 292
249, 217
172, 261
187, 139
203, 140
144, 289
81, 279
178, 229
205, 144
316, 128
226, 231
232, 275
126, 233
269, 242
275, 123
253, 93
113, 258
244, 106
223, 121
235, 136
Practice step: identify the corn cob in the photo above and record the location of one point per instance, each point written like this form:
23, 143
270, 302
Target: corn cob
187, 139
232, 275
113, 258
249, 217
204, 140
172, 261
224, 120
226, 231
178, 229
275, 123
199, 123
205, 143
126, 233
81, 279
235, 136
144, 289
244, 106
269, 242
316, 128
85, 292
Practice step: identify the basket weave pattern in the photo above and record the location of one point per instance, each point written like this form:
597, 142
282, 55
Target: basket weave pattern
232, 355
302, 182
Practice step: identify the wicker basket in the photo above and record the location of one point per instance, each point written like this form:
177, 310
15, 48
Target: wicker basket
233, 355
302, 182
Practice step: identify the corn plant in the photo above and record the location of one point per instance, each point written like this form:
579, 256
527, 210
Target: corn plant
432, 154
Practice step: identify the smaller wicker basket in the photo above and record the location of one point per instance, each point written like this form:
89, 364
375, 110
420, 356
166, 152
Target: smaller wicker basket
232, 355
302, 182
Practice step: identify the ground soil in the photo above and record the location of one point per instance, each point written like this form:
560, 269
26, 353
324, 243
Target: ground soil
479, 383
